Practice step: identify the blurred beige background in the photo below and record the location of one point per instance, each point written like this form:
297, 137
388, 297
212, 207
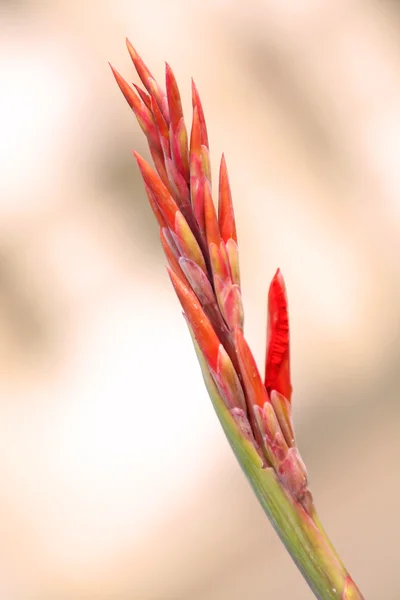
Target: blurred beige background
116, 480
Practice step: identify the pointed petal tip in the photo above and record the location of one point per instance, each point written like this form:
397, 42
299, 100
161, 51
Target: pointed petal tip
134, 101
115, 72
278, 285
144, 166
195, 93
131, 49
139, 159
118, 77
170, 78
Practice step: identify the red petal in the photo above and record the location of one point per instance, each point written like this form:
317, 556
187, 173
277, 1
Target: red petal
277, 367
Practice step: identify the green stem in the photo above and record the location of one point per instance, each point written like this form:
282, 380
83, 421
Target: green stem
301, 533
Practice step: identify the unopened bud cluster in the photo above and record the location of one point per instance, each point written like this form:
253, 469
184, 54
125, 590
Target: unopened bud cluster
202, 252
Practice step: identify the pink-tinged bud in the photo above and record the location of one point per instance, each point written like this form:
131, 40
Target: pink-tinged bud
283, 411
204, 333
243, 423
272, 434
286, 461
226, 217
145, 76
292, 472
198, 281
228, 382
273, 442
253, 385
168, 245
230, 302
233, 308
277, 366
146, 98
142, 113
196, 103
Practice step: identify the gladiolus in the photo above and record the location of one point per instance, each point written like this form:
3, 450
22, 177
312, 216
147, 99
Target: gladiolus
200, 245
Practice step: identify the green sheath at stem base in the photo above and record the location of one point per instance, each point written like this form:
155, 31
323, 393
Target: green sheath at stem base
302, 535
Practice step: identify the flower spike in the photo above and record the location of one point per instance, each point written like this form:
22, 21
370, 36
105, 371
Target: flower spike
203, 264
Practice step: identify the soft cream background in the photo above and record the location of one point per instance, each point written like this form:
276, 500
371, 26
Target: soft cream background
116, 481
